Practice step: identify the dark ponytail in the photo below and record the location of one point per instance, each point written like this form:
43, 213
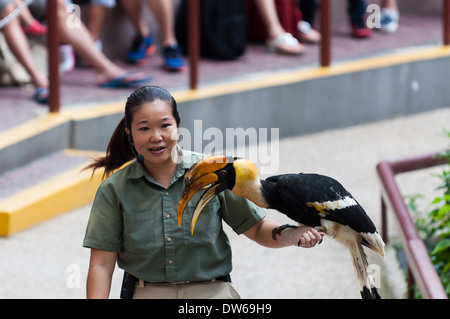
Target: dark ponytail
119, 148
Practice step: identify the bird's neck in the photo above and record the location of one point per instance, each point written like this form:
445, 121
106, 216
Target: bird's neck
252, 191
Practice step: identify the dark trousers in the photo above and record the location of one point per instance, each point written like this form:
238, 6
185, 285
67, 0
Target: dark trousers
356, 10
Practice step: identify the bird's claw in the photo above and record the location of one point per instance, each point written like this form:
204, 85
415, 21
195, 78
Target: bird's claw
277, 230
321, 229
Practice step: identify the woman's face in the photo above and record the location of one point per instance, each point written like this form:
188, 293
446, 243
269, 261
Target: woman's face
155, 132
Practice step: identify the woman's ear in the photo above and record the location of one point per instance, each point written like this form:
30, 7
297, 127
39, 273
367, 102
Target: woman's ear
127, 131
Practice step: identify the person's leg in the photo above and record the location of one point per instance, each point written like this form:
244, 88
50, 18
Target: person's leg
277, 38
142, 45
172, 55
97, 13
165, 14
18, 44
390, 4
356, 11
308, 9
133, 9
29, 24
306, 31
389, 16
84, 45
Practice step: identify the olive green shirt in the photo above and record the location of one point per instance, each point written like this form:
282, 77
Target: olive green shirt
136, 217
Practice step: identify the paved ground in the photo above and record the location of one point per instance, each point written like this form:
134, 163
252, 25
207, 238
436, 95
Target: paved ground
48, 261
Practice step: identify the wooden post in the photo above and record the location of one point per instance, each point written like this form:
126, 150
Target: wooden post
194, 41
53, 55
325, 30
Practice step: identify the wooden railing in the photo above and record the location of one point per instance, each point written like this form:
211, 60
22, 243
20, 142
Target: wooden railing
420, 268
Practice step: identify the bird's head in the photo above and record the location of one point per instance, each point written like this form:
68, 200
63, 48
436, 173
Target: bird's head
216, 174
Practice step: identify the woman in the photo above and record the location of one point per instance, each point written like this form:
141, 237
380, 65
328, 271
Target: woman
133, 218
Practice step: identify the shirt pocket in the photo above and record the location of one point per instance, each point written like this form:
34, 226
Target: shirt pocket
208, 226
138, 232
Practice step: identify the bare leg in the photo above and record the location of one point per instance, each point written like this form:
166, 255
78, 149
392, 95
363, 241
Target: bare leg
133, 9
164, 13
84, 45
18, 44
390, 4
270, 19
97, 14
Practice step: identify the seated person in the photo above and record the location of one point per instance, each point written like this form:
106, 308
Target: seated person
108, 73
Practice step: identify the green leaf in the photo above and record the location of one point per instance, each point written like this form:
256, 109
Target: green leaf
437, 200
446, 268
442, 245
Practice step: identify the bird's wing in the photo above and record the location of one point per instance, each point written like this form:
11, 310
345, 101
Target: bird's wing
325, 197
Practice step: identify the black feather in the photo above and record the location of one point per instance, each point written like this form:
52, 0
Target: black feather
290, 194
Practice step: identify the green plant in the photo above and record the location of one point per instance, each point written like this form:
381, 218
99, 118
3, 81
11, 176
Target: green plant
434, 228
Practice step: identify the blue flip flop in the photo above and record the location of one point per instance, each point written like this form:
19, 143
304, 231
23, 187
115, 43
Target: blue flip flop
41, 95
121, 82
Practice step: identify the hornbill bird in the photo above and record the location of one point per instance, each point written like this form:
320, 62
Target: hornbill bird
309, 199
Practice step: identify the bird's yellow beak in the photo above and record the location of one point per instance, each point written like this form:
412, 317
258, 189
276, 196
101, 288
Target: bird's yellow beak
204, 174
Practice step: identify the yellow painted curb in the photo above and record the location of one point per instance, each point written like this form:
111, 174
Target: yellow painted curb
60, 194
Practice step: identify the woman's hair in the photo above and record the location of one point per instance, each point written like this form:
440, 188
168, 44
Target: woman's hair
119, 149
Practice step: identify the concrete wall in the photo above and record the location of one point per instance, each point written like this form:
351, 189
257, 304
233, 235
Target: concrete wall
331, 102
309, 106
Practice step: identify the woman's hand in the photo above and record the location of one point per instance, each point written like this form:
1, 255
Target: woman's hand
302, 236
270, 233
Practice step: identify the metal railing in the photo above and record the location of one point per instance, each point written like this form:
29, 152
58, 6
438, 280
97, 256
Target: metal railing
194, 43
420, 268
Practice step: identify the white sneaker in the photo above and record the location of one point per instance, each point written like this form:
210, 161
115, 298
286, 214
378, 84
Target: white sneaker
67, 58
389, 20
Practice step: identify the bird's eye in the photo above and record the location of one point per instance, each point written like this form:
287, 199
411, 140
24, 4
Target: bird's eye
222, 174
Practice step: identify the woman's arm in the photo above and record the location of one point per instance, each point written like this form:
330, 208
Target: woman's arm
262, 234
101, 268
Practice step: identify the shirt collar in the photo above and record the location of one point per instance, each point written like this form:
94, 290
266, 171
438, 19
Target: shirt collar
186, 160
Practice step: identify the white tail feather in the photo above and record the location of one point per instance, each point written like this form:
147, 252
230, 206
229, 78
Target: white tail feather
352, 240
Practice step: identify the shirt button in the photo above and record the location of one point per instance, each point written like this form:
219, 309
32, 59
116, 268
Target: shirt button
167, 193
168, 216
169, 239
170, 261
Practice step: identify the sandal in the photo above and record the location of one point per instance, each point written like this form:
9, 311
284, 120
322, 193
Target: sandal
41, 95
122, 82
285, 44
307, 34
